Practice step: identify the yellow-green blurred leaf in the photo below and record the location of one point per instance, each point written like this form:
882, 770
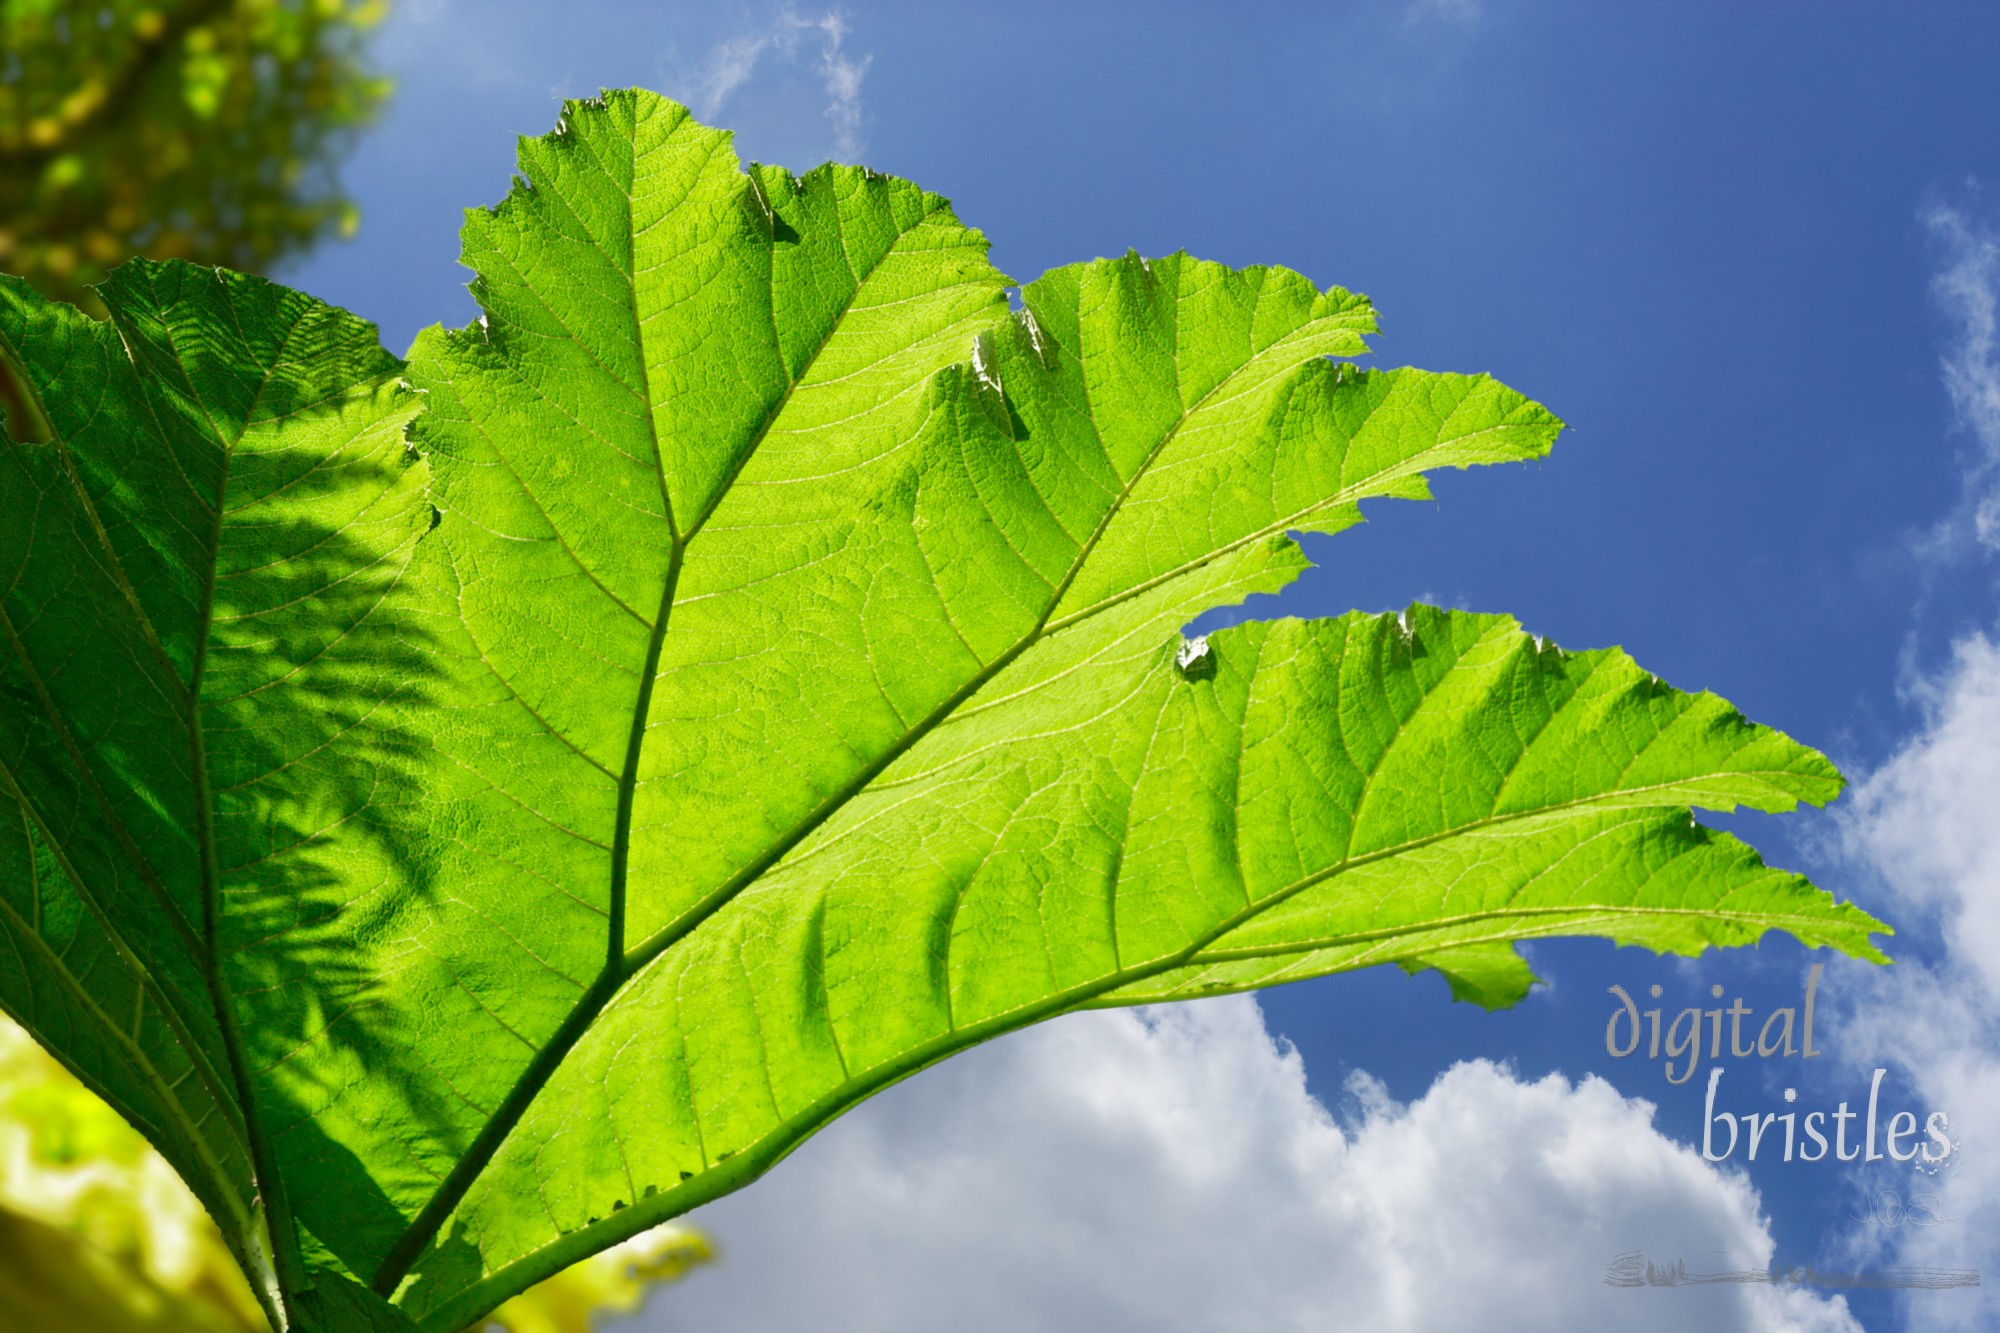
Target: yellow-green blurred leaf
96, 1230
98, 1235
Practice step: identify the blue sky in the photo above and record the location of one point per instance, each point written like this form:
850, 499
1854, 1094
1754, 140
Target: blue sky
1746, 253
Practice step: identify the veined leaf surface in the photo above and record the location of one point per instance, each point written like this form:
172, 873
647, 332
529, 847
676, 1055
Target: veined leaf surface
203, 663
783, 688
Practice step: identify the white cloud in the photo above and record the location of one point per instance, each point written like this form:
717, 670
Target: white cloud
1929, 819
1926, 822
1169, 1169
731, 62
1967, 288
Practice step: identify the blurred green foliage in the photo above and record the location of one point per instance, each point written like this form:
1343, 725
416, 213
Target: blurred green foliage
198, 129
97, 1233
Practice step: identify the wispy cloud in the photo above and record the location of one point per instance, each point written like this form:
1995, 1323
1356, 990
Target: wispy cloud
1967, 290
842, 75
794, 39
728, 67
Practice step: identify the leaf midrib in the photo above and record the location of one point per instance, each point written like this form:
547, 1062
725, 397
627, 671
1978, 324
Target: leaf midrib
285, 1257
618, 969
409, 1247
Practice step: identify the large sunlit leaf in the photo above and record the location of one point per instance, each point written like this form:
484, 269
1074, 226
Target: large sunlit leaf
783, 688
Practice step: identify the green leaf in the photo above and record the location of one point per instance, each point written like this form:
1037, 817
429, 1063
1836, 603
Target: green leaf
791, 693
199, 658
